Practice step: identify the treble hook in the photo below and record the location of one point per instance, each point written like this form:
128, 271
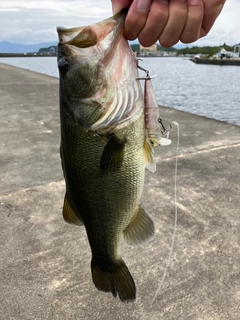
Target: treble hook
146, 71
164, 131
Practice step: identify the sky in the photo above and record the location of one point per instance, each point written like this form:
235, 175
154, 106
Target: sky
35, 21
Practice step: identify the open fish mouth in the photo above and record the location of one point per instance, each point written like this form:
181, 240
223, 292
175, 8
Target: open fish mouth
111, 73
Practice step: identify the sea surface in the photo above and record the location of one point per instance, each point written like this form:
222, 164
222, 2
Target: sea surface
206, 90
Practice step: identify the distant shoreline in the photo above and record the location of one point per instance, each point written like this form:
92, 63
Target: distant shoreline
218, 62
17, 55
29, 55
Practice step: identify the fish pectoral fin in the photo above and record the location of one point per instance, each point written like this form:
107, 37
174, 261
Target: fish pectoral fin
140, 229
148, 156
68, 213
117, 280
113, 154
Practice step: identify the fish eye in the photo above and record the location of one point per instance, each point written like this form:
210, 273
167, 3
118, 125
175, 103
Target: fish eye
63, 64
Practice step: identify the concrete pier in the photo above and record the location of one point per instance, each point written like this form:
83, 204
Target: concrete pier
217, 62
45, 263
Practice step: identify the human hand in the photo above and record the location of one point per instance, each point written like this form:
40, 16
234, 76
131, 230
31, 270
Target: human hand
168, 21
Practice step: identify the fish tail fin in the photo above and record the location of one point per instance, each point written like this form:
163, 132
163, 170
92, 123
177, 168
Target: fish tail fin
117, 280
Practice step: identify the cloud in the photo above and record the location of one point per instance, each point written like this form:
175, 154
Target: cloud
34, 21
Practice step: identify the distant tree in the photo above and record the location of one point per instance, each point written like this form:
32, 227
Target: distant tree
135, 47
210, 51
160, 48
44, 50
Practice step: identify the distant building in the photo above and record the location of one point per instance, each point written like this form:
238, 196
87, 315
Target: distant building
152, 48
156, 50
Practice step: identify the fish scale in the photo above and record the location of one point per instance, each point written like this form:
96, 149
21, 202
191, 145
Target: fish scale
103, 165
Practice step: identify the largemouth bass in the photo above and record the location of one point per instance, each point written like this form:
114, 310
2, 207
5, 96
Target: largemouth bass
103, 146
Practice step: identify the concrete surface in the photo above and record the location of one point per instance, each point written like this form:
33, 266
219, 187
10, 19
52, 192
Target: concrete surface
45, 263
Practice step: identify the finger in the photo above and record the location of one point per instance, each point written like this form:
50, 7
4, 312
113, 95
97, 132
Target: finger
156, 21
118, 5
178, 11
136, 18
193, 24
211, 13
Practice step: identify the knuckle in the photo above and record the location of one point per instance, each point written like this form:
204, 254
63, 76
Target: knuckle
133, 27
161, 15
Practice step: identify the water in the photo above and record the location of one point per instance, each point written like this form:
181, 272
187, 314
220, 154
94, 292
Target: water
45, 65
206, 90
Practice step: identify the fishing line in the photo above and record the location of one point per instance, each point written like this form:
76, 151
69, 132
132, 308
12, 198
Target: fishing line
175, 221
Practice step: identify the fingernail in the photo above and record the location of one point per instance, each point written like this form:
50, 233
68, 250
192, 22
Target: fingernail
143, 5
194, 2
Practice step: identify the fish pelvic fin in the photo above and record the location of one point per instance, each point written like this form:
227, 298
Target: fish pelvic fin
117, 280
148, 156
68, 213
113, 154
140, 229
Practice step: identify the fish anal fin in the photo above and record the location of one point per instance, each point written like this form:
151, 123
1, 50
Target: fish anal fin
148, 156
68, 213
117, 280
140, 229
113, 154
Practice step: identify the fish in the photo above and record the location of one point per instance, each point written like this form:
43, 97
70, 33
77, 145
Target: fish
104, 147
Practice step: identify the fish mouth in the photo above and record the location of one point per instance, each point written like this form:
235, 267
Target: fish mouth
88, 36
101, 56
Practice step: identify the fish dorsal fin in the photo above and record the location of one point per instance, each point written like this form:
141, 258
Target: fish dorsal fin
68, 214
113, 154
140, 229
148, 156
84, 39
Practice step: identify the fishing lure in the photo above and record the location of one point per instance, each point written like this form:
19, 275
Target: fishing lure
156, 133
152, 114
